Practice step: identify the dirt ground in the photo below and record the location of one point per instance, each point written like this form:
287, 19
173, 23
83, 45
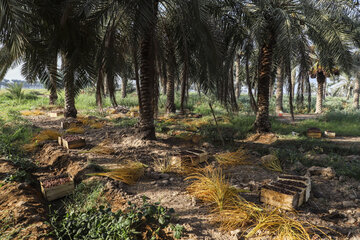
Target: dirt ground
334, 202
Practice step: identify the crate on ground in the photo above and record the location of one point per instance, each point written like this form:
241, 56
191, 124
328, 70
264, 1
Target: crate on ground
71, 142
57, 187
330, 134
201, 154
313, 133
288, 192
55, 114
184, 159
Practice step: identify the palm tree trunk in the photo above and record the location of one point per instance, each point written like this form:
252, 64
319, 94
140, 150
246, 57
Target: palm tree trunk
262, 122
170, 88
308, 88
100, 89
320, 77
279, 92
234, 105
124, 81
300, 92
146, 128
53, 86
291, 89
137, 78
184, 83
237, 77
251, 96
70, 110
356, 92
112, 89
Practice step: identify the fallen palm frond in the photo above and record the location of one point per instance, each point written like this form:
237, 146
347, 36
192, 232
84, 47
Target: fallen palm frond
30, 147
272, 163
128, 173
236, 216
135, 109
197, 123
278, 224
103, 148
86, 120
32, 113
75, 129
41, 137
233, 158
211, 186
47, 135
165, 165
97, 125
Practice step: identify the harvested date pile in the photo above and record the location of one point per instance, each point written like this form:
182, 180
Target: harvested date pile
55, 181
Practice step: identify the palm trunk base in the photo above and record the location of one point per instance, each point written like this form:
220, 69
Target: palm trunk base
262, 125
145, 133
70, 112
170, 108
52, 99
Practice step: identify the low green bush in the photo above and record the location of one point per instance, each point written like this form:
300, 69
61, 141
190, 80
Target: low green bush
137, 222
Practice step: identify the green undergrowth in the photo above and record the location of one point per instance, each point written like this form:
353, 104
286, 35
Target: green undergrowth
292, 151
14, 133
87, 215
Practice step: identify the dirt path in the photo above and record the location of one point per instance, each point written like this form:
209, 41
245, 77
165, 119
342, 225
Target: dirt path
329, 196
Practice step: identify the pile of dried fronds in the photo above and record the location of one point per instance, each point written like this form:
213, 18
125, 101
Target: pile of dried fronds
211, 186
103, 148
239, 157
233, 212
35, 112
75, 129
97, 125
165, 165
272, 163
42, 136
128, 173
86, 120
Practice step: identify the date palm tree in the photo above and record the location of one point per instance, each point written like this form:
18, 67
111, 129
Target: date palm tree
275, 23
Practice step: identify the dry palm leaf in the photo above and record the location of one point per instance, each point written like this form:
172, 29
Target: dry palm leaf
103, 148
239, 157
211, 186
128, 173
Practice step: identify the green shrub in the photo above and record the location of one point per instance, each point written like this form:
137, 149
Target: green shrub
136, 222
15, 91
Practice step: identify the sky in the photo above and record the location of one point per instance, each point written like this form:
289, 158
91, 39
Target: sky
14, 74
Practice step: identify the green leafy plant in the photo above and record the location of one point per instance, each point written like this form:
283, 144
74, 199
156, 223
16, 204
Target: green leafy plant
19, 176
15, 91
137, 222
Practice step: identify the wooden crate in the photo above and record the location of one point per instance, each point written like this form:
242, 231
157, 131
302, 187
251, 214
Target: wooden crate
202, 155
298, 180
60, 141
279, 197
53, 114
185, 158
313, 133
73, 142
301, 190
330, 134
58, 191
